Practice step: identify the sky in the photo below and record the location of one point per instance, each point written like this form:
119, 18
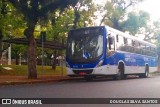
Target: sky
150, 6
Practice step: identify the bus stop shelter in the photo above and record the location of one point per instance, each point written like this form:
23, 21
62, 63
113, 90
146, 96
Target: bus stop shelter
47, 44
54, 45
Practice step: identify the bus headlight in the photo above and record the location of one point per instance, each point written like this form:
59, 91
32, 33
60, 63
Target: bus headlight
100, 63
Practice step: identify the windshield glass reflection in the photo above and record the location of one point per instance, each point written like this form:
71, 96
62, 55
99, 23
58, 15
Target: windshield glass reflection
85, 48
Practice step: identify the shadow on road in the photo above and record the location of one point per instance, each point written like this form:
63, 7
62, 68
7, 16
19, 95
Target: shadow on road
104, 79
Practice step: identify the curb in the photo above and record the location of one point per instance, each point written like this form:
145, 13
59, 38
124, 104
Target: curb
36, 81
27, 82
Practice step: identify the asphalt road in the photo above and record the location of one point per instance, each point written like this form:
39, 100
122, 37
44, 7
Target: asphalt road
104, 88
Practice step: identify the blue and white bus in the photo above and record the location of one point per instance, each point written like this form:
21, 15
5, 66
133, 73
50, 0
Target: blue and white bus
103, 51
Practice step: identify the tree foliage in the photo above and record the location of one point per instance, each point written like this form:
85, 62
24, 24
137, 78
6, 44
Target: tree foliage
135, 22
33, 11
11, 25
61, 23
84, 13
118, 16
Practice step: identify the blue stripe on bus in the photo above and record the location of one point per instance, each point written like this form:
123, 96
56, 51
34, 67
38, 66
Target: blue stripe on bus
132, 59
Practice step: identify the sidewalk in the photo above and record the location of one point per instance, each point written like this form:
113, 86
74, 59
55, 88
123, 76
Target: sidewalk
16, 80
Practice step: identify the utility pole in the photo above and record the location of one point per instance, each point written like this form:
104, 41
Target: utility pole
43, 39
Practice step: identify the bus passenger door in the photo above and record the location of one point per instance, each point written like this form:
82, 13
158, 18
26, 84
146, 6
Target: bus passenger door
110, 46
110, 50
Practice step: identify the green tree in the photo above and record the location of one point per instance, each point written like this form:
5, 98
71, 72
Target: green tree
61, 23
135, 22
33, 10
11, 24
83, 12
152, 32
116, 12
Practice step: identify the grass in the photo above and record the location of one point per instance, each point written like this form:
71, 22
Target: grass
22, 70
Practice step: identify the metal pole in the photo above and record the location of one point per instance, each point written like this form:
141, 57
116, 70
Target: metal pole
9, 54
62, 64
20, 59
42, 53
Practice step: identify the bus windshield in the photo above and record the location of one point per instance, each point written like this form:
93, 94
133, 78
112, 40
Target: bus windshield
84, 48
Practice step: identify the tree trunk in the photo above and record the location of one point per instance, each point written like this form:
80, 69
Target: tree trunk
102, 20
1, 36
0, 51
76, 19
32, 72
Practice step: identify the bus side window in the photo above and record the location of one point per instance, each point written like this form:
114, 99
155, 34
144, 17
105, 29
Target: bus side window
153, 51
120, 43
133, 43
143, 48
129, 45
125, 40
117, 38
148, 50
139, 51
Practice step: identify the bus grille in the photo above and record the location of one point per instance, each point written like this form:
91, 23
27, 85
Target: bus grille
85, 71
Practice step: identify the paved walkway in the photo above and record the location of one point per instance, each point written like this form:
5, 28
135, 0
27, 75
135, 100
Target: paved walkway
15, 80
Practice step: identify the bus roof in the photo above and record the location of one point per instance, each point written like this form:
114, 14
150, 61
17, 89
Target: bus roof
117, 32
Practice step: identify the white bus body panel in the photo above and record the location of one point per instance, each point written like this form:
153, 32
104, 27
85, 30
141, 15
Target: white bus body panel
113, 69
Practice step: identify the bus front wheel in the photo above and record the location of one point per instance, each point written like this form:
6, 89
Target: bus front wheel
146, 74
120, 75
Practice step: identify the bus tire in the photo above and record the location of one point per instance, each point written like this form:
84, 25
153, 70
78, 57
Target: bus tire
120, 75
146, 74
